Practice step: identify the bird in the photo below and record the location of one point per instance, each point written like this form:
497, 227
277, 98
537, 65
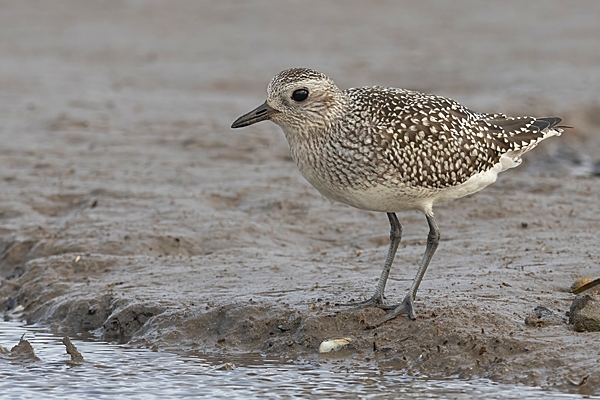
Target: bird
392, 150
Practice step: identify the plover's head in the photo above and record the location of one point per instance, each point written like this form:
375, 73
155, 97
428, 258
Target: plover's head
298, 99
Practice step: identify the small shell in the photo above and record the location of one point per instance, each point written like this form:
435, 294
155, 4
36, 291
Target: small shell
580, 282
576, 287
226, 367
333, 345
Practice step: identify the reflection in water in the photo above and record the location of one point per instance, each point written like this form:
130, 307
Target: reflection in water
111, 370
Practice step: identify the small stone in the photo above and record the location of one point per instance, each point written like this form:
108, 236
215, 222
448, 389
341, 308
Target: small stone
542, 316
585, 313
226, 367
72, 350
23, 351
334, 345
18, 309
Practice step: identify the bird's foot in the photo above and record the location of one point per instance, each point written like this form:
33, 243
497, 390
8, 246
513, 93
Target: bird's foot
406, 307
375, 301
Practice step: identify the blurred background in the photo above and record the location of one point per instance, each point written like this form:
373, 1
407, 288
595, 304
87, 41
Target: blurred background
124, 193
112, 64
115, 115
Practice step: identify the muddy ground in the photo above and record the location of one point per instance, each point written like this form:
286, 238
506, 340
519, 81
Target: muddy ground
129, 210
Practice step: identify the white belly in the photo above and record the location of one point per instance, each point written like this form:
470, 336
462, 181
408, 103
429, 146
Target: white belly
398, 198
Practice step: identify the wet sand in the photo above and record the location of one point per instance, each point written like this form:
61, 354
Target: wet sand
131, 211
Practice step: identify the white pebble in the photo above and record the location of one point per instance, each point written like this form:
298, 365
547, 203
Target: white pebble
333, 345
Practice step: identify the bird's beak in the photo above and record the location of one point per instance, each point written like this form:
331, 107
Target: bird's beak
261, 113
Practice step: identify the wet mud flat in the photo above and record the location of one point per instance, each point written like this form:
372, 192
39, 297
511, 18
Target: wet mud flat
471, 310
131, 212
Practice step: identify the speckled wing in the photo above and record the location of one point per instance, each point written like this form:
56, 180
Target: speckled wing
435, 142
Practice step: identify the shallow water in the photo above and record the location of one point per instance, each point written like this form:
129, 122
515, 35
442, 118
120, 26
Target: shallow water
111, 370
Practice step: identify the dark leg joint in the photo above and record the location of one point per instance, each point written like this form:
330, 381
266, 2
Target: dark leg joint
395, 227
433, 237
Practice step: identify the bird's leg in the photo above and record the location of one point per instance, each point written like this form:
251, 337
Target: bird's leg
406, 307
395, 235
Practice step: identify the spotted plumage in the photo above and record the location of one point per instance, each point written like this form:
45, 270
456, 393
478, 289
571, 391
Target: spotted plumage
433, 142
387, 149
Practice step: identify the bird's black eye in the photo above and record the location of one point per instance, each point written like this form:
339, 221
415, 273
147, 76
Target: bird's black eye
300, 95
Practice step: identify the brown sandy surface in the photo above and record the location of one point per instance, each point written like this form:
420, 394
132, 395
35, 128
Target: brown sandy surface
129, 209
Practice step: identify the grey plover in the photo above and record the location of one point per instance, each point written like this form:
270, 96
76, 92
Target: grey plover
391, 150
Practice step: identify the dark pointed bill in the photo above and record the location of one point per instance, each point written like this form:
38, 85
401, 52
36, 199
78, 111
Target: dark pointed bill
261, 113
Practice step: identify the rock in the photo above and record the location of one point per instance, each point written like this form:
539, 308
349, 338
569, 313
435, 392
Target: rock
585, 313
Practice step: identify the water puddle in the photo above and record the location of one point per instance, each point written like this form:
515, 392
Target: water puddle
111, 370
